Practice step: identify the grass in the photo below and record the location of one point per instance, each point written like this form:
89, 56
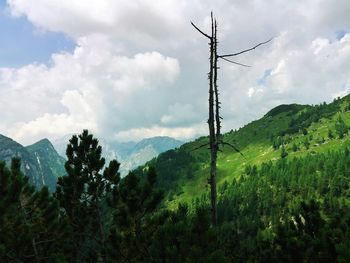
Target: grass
253, 141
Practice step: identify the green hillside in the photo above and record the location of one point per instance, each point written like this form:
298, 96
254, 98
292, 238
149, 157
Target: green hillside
296, 130
287, 200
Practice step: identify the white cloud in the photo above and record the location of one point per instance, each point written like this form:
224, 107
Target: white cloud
123, 79
318, 44
90, 88
179, 114
254, 91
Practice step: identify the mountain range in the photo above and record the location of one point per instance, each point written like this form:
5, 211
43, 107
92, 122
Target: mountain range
130, 154
43, 164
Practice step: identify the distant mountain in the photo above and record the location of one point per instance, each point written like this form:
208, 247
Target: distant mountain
49, 161
158, 143
129, 154
111, 150
43, 164
37, 160
147, 149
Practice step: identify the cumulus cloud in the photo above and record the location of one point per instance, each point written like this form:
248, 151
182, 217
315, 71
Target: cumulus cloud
90, 88
123, 79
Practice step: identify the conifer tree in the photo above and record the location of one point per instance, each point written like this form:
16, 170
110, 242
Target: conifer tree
132, 224
30, 227
284, 152
82, 194
341, 128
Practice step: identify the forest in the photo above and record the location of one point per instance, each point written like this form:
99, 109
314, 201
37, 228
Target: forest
174, 131
290, 210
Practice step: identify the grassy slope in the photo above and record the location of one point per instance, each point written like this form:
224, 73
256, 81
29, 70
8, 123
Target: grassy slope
255, 142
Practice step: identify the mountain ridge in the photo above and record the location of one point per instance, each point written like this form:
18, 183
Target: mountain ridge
38, 172
49, 160
296, 129
130, 154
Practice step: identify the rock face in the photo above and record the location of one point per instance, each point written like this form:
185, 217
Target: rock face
147, 149
51, 164
40, 162
129, 154
43, 165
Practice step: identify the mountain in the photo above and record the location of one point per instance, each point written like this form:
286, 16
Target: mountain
129, 154
158, 143
143, 151
43, 164
49, 161
286, 131
40, 161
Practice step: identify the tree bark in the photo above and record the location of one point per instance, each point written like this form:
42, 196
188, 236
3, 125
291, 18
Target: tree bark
214, 120
211, 124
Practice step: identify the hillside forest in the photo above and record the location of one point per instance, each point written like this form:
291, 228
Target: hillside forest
285, 200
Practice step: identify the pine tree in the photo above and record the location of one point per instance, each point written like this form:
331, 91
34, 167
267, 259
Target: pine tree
306, 143
341, 128
31, 215
132, 224
295, 147
284, 153
330, 134
82, 194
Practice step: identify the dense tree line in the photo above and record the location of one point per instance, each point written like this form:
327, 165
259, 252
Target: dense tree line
175, 167
292, 210
311, 114
92, 217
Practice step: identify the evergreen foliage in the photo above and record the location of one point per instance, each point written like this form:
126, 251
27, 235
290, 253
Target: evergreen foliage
341, 128
291, 210
31, 229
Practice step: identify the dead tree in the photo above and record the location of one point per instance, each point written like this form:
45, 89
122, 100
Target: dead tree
214, 120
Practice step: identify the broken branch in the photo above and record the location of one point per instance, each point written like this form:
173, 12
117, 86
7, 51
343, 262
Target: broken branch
200, 31
234, 62
234, 147
199, 147
246, 50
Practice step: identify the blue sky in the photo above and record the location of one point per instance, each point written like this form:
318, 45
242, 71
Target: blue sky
340, 34
21, 43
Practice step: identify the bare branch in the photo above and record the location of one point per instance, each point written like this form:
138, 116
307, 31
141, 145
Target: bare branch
200, 31
246, 50
234, 147
199, 147
234, 62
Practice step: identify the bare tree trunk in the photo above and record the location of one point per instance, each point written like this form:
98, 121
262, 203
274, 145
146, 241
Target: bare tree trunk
214, 121
211, 124
216, 90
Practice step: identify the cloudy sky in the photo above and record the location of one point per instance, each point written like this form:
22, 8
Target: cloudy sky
127, 70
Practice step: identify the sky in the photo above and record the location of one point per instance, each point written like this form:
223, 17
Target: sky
128, 70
